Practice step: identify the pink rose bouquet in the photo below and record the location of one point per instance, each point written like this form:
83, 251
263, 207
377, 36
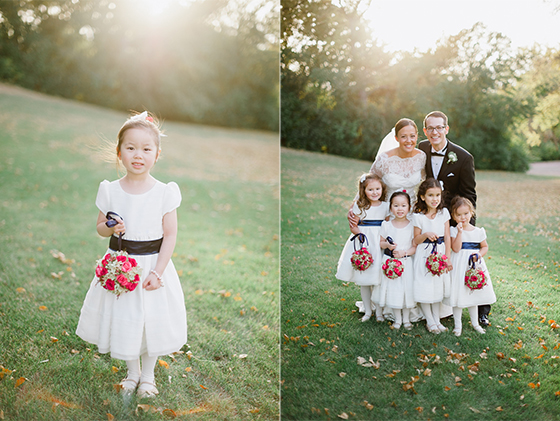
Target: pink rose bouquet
437, 263
475, 278
118, 273
393, 268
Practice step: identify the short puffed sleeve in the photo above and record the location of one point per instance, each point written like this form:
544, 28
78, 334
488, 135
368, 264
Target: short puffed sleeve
416, 219
357, 211
453, 232
103, 201
384, 231
171, 197
445, 214
482, 234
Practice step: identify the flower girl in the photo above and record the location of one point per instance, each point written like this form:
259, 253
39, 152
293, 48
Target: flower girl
469, 288
372, 210
396, 238
431, 235
139, 214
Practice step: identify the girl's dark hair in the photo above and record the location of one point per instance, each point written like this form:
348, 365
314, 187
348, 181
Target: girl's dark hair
397, 194
403, 122
363, 201
459, 201
421, 206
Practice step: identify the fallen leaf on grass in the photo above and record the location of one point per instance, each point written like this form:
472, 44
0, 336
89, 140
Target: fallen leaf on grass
42, 308
20, 381
344, 416
114, 369
110, 417
163, 363
557, 393
254, 411
4, 371
342, 374
202, 387
118, 387
20, 290
53, 339
533, 385
169, 413
518, 345
476, 411
419, 409
499, 408
500, 355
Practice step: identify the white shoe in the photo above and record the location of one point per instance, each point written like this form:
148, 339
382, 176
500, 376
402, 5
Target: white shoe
366, 317
147, 391
479, 329
457, 331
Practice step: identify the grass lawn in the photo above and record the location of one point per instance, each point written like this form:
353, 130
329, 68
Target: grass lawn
227, 256
510, 373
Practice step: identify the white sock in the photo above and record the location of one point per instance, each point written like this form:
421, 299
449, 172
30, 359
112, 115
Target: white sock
148, 366
457, 314
133, 367
398, 316
427, 310
473, 312
366, 299
406, 315
435, 312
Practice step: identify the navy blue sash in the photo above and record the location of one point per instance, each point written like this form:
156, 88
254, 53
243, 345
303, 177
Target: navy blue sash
370, 223
470, 246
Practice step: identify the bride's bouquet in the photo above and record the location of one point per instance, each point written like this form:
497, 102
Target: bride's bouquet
437, 263
118, 273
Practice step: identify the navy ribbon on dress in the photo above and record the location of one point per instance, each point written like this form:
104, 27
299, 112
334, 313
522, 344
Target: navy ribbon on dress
433, 243
389, 252
361, 238
470, 246
370, 222
111, 222
472, 261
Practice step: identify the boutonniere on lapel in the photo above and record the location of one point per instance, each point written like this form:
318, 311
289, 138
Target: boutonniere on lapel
451, 157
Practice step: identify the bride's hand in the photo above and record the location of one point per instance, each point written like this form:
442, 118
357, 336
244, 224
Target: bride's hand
352, 219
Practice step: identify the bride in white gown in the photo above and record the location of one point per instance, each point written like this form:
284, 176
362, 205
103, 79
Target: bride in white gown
401, 167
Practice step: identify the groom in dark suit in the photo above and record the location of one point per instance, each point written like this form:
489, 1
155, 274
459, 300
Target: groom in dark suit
454, 166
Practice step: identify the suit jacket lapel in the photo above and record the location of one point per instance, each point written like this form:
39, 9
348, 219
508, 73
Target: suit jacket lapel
443, 170
429, 170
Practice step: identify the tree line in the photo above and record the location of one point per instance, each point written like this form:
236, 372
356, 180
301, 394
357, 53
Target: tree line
341, 92
198, 61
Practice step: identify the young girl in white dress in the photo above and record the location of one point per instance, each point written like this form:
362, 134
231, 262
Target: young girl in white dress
431, 233
150, 320
372, 210
467, 240
398, 294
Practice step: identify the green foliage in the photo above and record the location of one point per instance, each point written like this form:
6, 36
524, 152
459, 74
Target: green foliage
175, 63
539, 91
468, 378
341, 93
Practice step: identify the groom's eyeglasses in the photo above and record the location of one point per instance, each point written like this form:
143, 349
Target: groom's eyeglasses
440, 129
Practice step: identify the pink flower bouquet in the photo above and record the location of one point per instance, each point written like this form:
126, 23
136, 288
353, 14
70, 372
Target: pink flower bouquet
361, 259
475, 278
118, 273
437, 263
392, 268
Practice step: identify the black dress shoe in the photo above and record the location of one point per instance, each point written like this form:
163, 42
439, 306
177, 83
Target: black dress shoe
483, 320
